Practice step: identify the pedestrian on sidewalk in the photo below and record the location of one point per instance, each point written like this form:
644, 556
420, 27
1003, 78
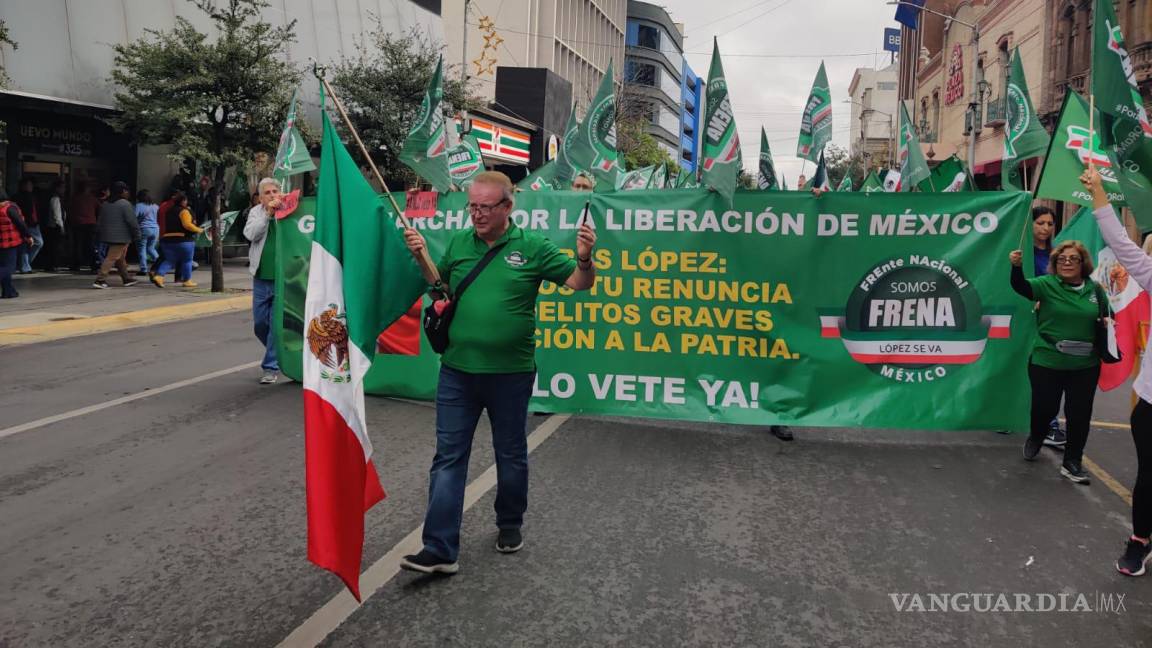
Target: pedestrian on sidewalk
25, 198
178, 243
82, 224
53, 228
261, 231
490, 362
13, 234
117, 229
1064, 360
1139, 267
146, 211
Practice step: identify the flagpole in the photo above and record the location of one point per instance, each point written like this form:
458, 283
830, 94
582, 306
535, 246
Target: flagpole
1091, 126
423, 259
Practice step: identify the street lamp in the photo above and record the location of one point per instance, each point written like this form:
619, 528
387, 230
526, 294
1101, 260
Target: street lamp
864, 110
974, 102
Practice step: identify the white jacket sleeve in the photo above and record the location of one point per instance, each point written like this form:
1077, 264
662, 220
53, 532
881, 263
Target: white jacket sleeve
257, 225
1138, 264
57, 213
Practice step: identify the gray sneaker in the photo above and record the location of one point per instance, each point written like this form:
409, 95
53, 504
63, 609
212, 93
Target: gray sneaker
269, 378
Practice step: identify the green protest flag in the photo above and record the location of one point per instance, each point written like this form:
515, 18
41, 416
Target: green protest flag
913, 167
1069, 153
238, 196
949, 175
720, 161
465, 161
1125, 124
846, 183
226, 220
426, 149
659, 176
1024, 137
872, 183
636, 179
292, 153
542, 179
816, 122
594, 146
766, 175
566, 168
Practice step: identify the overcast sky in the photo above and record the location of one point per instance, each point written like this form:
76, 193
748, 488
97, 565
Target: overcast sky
770, 91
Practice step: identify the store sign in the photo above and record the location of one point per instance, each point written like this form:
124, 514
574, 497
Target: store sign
58, 140
954, 90
891, 40
502, 142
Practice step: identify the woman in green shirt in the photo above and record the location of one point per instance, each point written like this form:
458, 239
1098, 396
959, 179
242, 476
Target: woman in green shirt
1064, 360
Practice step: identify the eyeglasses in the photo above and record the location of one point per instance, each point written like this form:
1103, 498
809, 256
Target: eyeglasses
484, 210
1067, 260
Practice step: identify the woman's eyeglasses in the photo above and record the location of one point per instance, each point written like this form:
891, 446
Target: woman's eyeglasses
1068, 260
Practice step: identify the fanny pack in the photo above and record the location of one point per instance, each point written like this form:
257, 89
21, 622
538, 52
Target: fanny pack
438, 315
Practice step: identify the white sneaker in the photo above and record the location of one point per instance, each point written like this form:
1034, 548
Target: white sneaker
269, 377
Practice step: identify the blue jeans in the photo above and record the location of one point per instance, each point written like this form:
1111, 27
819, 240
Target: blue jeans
7, 267
263, 299
177, 254
460, 397
149, 237
28, 252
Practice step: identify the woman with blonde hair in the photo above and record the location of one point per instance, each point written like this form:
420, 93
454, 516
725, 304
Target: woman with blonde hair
1064, 361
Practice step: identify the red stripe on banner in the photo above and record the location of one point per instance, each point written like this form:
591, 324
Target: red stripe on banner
999, 332
403, 337
340, 487
830, 331
896, 358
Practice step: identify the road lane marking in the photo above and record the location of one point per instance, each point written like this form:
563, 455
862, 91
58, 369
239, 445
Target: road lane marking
1114, 426
56, 418
337, 610
1108, 480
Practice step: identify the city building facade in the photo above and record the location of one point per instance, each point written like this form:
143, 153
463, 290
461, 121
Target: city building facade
874, 98
653, 74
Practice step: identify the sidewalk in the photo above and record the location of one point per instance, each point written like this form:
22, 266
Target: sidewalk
55, 305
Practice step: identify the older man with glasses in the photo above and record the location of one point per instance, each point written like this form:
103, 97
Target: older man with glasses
490, 363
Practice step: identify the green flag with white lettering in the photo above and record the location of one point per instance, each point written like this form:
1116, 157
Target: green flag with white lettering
1024, 137
949, 175
292, 154
909, 157
1069, 153
542, 179
816, 122
1125, 128
594, 147
846, 183
465, 162
766, 174
720, 161
425, 150
872, 183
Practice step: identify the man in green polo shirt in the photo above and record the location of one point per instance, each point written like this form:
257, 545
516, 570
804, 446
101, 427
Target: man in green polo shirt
490, 363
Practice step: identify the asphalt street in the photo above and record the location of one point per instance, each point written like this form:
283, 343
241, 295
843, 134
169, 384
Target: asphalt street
178, 519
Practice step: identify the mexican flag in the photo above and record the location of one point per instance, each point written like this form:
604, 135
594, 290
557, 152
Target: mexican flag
816, 122
1070, 151
1129, 303
1127, 131
720, 159
1024, 137
292, 155
820, 177
872, 183
594, 144
426, 149
913, 168
766, 174
355, 237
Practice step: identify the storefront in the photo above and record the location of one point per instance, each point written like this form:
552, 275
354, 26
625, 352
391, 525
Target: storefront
47, 139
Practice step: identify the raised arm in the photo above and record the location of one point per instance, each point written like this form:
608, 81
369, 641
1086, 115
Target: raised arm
1019, 283
1138, 264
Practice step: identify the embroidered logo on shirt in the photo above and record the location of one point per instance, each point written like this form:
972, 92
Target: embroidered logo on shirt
515, 259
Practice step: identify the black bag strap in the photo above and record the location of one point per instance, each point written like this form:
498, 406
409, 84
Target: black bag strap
475, 272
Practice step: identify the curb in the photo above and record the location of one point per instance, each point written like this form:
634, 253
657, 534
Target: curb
121, 321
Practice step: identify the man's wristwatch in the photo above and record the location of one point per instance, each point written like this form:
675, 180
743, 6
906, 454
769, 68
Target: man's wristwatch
584, 264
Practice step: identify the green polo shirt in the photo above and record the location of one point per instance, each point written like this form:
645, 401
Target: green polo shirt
1065, 313
494, 328
267, 267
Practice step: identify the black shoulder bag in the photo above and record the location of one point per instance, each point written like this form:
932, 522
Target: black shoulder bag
1106, 345
436, 323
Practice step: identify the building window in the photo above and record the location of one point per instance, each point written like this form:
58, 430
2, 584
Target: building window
640, 73
1068, 27
935, 111
648, 36
1005, 62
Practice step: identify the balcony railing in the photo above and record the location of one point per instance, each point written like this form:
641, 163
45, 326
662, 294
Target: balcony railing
929, 137
1077, 83
996, 112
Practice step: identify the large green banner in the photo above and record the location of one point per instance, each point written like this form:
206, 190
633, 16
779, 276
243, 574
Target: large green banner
851, 309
